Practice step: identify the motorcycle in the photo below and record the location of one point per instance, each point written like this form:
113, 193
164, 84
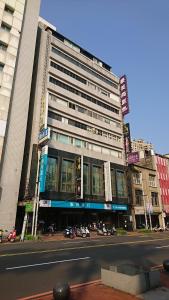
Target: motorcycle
83, 232
102, 231
69, 232
12, 236
112, 231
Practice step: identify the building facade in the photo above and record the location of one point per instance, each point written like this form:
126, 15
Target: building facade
78, 130
162, 163
18, 20
140, 145
145, 192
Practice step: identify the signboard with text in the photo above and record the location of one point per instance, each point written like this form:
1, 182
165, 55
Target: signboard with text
133, 157
124, 95
127, 139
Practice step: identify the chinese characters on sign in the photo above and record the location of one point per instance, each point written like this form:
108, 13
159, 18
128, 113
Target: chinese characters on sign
127, 139
133, 157
124, 95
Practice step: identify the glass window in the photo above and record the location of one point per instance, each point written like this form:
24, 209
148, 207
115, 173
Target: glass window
139, 197
63, 138
9, 9
68, 176
1, 67
97, 181
78, 143
137, 178
62, 102
71, 105
96, 148
5, 27
154, 198
113, 182
86, 179
3, 46
121, 184
152, 180
52, 174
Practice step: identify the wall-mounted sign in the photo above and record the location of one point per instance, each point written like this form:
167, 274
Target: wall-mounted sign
127, 139
124, 95
44, 135
43, 168
133, 157
82, 205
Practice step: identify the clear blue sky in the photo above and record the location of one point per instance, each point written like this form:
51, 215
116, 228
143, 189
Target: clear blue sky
132, 36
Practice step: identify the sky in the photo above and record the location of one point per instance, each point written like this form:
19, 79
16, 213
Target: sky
132, 36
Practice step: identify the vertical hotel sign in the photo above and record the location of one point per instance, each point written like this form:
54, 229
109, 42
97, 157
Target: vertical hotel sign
124, 95
127, 138
43, 168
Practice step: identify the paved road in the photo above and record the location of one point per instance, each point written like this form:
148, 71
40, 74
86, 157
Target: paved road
35, 267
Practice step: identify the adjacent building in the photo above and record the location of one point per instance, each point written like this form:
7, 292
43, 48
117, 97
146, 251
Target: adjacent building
76, 128
162, 163
18, 28
145, 193
140, 145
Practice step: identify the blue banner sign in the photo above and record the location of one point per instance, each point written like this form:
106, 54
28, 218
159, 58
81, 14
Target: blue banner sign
88, 205
43, 168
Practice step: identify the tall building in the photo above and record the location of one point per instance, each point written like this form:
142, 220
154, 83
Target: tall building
76, 98
18, 28
140, 145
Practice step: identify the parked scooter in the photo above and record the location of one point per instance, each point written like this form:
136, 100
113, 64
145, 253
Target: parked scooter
158, 229
111, 231
83, 232
12, 236
70, 232
102, 231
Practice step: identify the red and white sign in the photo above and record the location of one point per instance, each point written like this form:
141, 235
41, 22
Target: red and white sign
124, 95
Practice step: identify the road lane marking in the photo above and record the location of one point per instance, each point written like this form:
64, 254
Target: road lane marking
81, 247
48, 263
159, 247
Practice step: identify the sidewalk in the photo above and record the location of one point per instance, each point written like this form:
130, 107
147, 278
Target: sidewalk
93, 235
90, 291
97, 291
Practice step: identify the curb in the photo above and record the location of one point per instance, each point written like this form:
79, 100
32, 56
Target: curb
37, 296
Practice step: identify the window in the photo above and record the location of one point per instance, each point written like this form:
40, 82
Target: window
113, 182
97, 181
71, 105
1, 67
68, 176
3, 46
121, 184
83, 95
82, 66
139, 197
52, 174
5, 26
86, 179
52, 115
9, 9
78, 143
152, 180
67, 72
154, 198
137, 178
63, 138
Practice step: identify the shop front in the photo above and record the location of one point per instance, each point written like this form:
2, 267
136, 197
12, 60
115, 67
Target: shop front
70, 213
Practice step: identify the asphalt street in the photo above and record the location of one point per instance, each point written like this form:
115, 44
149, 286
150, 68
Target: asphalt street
35, 267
